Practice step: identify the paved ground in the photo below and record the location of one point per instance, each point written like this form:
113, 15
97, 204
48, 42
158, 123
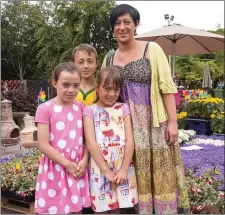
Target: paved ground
12, 150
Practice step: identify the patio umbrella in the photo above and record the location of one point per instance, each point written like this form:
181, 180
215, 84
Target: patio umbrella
207, 81
178, 40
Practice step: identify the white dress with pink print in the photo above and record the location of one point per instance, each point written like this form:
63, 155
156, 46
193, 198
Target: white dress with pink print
57, 191
110, 137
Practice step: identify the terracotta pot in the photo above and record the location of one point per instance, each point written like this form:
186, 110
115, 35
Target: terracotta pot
28, 135
18, 118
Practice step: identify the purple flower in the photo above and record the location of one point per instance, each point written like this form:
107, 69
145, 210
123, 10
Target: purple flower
209, 158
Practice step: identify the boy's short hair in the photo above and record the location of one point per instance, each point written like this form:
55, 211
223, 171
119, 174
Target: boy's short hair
85, 47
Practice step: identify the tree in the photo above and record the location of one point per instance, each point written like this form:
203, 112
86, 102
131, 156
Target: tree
20, 21
73, 23
191, 71
191, 68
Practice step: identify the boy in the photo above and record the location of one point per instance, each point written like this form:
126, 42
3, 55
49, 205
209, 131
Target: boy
85, 58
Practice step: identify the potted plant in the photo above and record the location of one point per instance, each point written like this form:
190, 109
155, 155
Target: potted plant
19, 176
181, 119
203, 190
217, 123
200, 111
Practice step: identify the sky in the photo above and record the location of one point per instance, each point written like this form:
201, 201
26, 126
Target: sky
205, 15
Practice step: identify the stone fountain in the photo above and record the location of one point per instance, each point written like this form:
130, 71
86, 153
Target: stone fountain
10, 132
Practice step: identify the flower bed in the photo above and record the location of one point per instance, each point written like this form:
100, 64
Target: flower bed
205, 172
203, 108
19, 175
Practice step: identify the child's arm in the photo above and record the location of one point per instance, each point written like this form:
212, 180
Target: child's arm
121, 176
50, 152
94, 149
81, 166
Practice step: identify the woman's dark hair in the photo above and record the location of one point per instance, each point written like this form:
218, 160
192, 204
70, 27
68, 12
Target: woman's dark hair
122, 9
66, 67
110, 74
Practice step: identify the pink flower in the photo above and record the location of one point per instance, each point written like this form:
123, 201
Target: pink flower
221, 195
193, 208
201, 178
198, 190
210, 181
194, 189
22, 193
199, 208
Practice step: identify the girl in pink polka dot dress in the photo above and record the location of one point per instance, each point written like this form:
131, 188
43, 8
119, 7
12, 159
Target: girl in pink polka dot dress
62, 184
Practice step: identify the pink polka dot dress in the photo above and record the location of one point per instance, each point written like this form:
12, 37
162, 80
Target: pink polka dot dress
57, 191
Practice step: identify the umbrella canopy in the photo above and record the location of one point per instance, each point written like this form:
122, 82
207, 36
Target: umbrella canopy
178, 40
207, 81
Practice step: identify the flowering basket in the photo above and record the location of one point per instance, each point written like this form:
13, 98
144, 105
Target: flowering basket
204, 107
217, 123
19, 176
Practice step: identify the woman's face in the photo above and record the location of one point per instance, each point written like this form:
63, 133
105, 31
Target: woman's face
124, 28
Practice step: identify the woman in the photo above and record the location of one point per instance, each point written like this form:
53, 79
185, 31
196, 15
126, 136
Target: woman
148, 89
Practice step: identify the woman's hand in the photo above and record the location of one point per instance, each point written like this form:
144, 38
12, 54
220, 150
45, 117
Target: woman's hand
121, 176
172, 132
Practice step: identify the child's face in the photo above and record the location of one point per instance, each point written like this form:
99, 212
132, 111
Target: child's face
67, 86
87, 64
108, 94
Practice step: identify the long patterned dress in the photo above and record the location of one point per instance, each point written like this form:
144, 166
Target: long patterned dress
110, 137
159, 168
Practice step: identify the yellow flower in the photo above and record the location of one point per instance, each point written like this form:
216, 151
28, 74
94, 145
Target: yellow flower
184, 113
212, 116
220, 116
181, 115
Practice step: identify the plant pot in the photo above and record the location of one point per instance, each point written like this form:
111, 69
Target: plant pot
198, 117
219, 93
201, 126
14, 195
18, 118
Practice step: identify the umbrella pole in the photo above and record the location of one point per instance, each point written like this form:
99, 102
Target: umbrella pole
174, 62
